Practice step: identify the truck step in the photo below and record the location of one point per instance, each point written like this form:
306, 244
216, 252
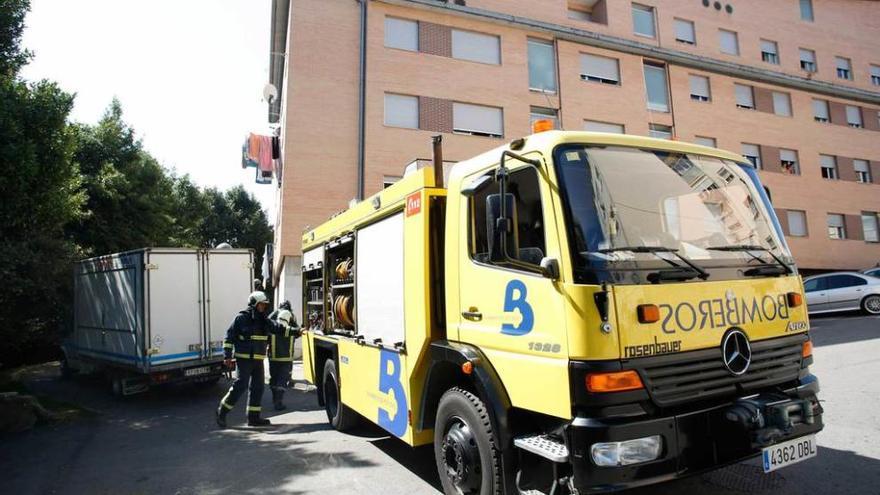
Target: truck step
544, 446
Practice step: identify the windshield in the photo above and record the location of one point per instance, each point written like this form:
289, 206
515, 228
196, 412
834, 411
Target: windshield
635, 209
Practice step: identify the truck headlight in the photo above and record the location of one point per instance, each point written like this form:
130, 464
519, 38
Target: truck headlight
610, 454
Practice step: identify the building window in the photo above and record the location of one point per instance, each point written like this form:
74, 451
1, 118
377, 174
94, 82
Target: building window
781, 104
700, 88
807, 10
706, 141
402, 111
752, 153
728, 41
863, 171
797, 223
789, 161
745, 96
769, 52
542, 66
476, 47
844, 68
828, 164
477, 120
389, 180
854, 116
643, 20
875, 75
820, 111
836, 228
808, 60
660, 131
587, 10
600, 69
596, 126
655, 84
684, 32
541, 113
869, 226
402, 34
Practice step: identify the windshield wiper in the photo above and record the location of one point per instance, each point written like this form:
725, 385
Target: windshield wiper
786, 270
681, 273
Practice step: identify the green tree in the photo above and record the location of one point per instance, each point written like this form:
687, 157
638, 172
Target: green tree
236, 217
41, 194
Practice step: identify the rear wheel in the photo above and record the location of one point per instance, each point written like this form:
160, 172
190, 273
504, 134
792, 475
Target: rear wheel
338, 414
871, 304
467, 456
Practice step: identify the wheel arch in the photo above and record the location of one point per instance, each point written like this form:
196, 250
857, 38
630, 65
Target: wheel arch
323, 351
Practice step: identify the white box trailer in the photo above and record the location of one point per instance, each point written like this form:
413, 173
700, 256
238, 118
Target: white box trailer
156, 315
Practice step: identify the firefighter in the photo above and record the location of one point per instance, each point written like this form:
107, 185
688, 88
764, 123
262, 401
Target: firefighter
248, 336
281, 353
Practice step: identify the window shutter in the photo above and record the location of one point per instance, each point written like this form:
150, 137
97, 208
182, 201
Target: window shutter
820, 109
787, 155
744, 95
476, 47
781, 104
402, 34
728, 42
841, 63
807, 55
402, 111
477, 118
594, 126
797, 223
768, 46
601, 67
684, 30
853, 115
700, 86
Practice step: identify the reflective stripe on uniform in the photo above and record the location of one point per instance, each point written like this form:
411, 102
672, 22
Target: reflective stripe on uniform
253, 337
286, 359
227, 345
250, 356
224, 404
254, 408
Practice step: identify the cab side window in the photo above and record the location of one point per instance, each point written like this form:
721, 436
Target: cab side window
527, 242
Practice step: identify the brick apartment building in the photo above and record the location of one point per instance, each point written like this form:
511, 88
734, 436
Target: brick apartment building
793, 85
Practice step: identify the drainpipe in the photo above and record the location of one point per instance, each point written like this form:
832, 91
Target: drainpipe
362, 104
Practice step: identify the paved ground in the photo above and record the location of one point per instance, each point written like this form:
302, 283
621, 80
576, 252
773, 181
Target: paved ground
165, 442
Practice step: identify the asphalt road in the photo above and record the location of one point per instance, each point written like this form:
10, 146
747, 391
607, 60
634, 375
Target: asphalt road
165, 442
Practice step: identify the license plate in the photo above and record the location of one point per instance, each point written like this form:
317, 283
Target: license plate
788, 453
197, 371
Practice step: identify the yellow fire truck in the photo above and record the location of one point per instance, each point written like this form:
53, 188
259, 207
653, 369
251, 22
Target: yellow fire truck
570, 313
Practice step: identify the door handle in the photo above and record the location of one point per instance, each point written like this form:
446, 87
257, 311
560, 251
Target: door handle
472, 314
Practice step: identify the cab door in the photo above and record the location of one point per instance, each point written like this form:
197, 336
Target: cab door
510, 311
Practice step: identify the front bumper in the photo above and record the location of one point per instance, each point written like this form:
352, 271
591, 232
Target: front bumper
693, 441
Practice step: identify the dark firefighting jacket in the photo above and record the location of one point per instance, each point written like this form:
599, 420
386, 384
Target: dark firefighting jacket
281, 341
248, 335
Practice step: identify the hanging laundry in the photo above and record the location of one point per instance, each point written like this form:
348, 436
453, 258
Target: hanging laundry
276, 148
254, 147
265, 158
246, 160
260, 179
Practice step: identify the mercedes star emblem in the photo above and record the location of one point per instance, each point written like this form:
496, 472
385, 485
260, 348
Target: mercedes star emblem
736, 352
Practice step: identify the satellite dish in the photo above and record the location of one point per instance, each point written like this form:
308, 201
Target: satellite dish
224, 245
270, 92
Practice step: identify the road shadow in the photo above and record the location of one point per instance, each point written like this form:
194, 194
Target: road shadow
418, 460
834, 329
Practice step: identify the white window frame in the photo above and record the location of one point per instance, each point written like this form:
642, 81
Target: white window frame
817, 115
770, 51
844, 68
666, 133
875, 228
790, 161
653, 105
801, 221
863, 173
807, 13
809, 63
544, 113
399, 122
458, 108
741, 103
644, 10
875, 75
781, 103
685, 31
854, 117
731, 35
706, 141
463, 41
836, 231
544, 44
701, 87
828, 167
755, 158
390, 24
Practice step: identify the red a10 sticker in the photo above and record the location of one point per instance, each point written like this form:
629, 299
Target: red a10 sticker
413, 204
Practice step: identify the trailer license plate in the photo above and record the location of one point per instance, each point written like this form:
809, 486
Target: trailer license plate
788, 453
197, 371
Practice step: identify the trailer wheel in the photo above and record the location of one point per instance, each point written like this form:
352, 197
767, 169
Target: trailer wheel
467, 456
338, 414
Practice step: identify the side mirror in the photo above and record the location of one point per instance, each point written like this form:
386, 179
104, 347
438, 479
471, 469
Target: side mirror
550, 268
500, 228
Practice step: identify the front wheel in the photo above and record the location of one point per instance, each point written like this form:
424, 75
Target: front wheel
341, 418
465, 449
871, 304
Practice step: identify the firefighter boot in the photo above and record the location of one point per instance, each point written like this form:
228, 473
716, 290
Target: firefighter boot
220, 416
278, 398
254, 419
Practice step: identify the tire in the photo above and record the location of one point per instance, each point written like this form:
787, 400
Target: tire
465, 449
871, 305
340, 417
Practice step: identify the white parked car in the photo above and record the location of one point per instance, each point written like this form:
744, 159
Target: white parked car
874, 272
842, 291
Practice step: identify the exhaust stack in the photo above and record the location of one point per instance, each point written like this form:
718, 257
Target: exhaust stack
437, 144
